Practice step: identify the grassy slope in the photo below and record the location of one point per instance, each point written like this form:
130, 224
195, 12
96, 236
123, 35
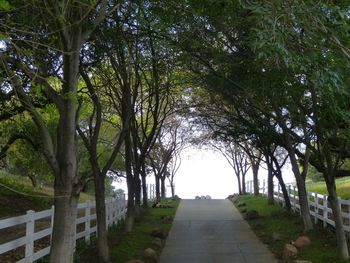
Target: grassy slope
25, 197
343, 187
126, 246
275, 219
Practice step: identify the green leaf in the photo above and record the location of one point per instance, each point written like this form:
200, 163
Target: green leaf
2, 36
4, 5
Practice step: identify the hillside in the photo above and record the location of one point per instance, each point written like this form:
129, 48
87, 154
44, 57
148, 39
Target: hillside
343, 187
17, 196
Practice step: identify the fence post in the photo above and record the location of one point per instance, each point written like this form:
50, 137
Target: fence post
119, 207
124, 206
29, 250
87, 222
316, 208
325, 210
341, 211
148, 192
52, 218
263, 188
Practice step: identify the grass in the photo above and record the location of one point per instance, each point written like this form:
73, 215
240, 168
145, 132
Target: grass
343, 187
127, 246
273, 218
123, 246
17, 195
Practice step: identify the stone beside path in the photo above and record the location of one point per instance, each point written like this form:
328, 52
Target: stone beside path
212, 231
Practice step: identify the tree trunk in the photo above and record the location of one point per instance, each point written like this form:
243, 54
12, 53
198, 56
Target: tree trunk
33, 180
163, 190
130, 214
137, 187
66, 183
144, 190
172, 186
102, 234
239, 184
255, 169
303, 202
270, 186
64, 228
243, 184
342, 245
284, 191
157, 188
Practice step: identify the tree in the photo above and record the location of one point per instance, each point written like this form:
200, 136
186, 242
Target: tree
90, 133
238, 160
311, 48
174, 166
276, 158
42, 55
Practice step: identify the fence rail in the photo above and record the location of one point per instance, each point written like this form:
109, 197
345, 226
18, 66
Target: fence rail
29, 225
318, 203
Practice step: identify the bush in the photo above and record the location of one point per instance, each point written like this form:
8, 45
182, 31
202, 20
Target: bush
314, 175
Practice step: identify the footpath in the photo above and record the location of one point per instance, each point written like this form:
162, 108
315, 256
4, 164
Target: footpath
212, 231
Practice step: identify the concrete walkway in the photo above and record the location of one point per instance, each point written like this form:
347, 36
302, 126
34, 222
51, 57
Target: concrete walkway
212, 231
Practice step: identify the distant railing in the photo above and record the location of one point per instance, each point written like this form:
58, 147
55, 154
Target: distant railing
318, 203
35, 226
151, 192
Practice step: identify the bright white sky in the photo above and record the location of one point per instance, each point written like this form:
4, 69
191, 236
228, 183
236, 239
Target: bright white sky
205, 172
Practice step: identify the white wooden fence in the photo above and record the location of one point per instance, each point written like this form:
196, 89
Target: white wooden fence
33, 231
151, 192
318, 203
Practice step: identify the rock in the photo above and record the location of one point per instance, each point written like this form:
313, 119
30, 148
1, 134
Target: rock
157, 232
167, 219
135, 261
154, 205
232, 197
251, 215
241, 204
157, 242
289, 252
150, 255
277, 236
176, 197
159, 205
302, 241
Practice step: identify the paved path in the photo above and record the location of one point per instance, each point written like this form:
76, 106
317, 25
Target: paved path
212, 231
